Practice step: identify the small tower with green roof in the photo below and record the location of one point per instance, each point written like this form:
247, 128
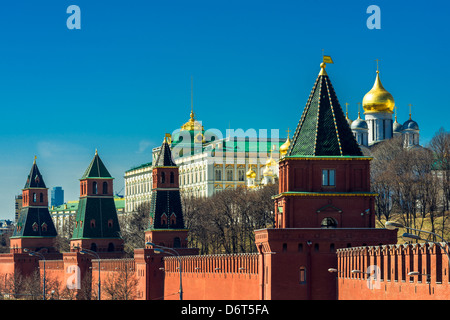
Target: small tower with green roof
96, 224
166, 226
35, 230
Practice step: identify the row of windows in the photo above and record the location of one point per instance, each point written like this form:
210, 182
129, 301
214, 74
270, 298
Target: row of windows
34, 197
94, 187
229, 175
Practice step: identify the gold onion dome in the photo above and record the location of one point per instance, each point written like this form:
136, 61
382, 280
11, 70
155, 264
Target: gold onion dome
378, 99
251, 173
285, 147
270, 162
268, 171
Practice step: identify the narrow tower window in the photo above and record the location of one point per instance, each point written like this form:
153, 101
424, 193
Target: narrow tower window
94, 187
105, 187
328, 177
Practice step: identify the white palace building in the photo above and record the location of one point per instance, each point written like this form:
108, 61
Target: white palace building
208, 162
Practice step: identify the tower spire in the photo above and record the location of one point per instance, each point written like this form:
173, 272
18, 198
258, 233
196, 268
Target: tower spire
192, 97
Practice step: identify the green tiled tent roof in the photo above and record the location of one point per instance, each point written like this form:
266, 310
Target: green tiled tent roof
166, 202
100, 210
31, 223
323, 129
96, 169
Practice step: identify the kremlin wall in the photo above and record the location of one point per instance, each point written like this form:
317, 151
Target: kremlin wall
324, 221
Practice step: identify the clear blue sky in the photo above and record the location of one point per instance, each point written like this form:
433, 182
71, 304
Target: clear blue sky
123, 80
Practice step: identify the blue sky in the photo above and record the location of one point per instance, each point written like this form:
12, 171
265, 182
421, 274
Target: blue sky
124, 79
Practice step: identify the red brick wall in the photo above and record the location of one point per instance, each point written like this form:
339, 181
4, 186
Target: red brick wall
213, 277
391, 264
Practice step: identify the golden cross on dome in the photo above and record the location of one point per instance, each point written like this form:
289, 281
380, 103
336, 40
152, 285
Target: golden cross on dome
377, 60
410, 105
288, 132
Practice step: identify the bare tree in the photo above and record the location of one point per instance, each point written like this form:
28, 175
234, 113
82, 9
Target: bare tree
133, 225
121, 284
225, 222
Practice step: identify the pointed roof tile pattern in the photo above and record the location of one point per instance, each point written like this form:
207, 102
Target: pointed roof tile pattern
96, 169
323, 129
35, 179
165, 158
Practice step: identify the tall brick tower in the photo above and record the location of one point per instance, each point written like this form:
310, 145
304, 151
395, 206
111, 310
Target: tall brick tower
166, 226
96, 223
35, 229
324, 203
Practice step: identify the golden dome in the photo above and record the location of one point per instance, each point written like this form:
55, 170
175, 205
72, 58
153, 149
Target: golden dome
271, 162
268, 171
285, 147
251, 173
192, 124
378, 99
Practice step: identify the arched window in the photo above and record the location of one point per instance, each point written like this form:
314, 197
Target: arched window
163, 177
94, 187
110, 247
92, 223
176, 242
41, 197
34, 197
105, 187
329, 223
172, 177
302, 275
93, 246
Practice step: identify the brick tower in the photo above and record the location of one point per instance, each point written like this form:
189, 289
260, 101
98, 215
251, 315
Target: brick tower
96, 224
35, 229
324, 203
166, 224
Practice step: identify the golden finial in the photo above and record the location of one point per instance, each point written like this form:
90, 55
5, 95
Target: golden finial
325, 60
34, 162
410, 105
288, 132
377, 60
96, 152
322, 69
359, 110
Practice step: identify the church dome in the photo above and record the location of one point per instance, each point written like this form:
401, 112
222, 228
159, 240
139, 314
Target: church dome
268, 171
359, 124
251, 174
285, 147
397, 127
378, 99
410, 124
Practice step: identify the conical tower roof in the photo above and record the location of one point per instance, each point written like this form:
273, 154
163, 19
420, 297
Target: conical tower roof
165, 158
323, 129
34, 179
96, 169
